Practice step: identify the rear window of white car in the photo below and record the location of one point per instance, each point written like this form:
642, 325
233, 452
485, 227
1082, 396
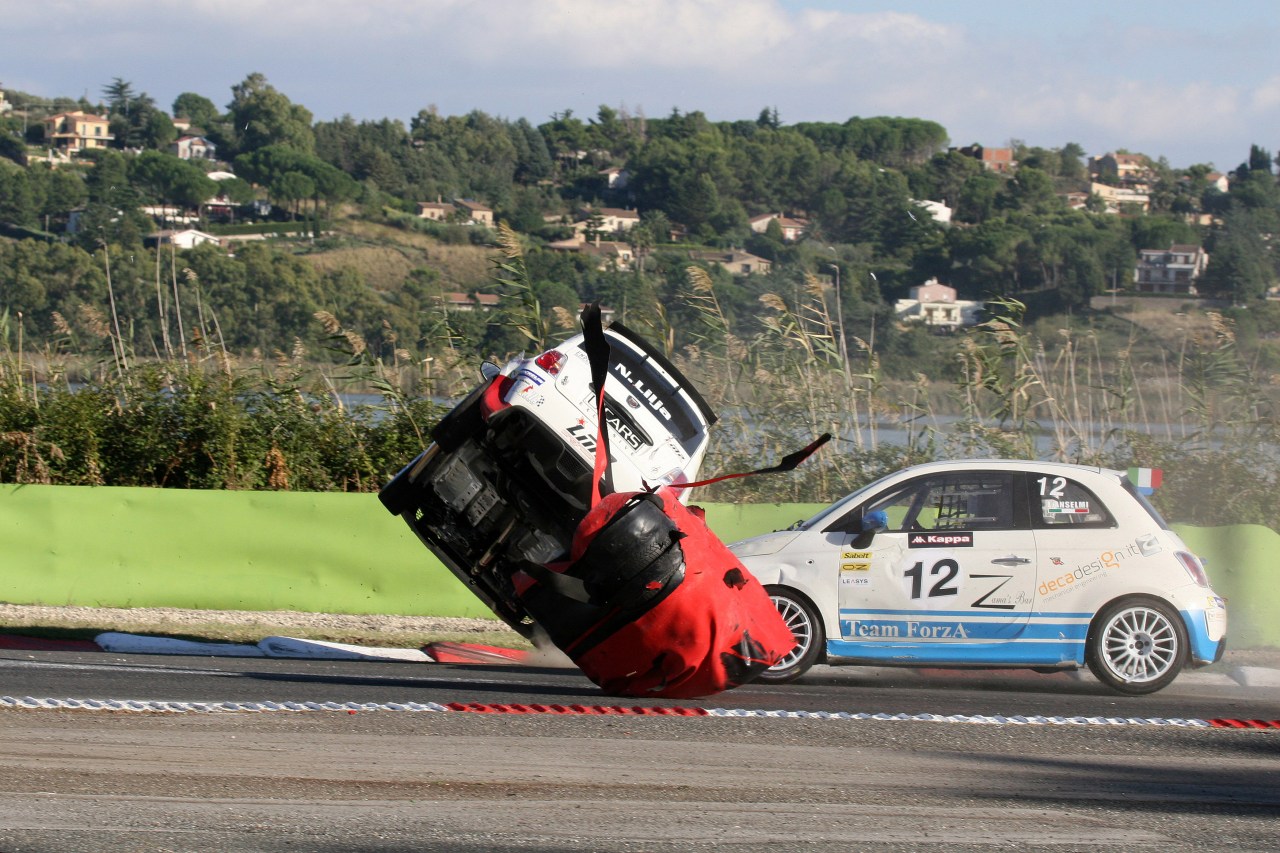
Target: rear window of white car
1059, 501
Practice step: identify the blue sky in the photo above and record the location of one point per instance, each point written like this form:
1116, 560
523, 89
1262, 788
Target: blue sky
1192, 82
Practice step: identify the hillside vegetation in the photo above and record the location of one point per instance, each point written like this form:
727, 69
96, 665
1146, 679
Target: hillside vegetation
128, 361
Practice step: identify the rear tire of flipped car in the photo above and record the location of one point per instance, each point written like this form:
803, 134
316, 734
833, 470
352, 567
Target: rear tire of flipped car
1136, 645
806, 627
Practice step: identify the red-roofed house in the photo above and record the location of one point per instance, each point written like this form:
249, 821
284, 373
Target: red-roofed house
77, 131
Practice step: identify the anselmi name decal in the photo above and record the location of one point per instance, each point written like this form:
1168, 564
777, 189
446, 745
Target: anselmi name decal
950, 539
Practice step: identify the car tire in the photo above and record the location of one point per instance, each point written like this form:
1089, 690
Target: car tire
805, 626
1136, 645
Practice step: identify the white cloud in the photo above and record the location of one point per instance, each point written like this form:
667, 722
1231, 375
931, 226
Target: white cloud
1266, 97
983, 80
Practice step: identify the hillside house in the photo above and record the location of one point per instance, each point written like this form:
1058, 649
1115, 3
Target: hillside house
437, 211
194, 148
476, 213
1075, 200
77, 131
613, 220
793, 228
1172, 270
617, 220
1126, 169
609, 254
460, 209
935, 304
938, 210
187, 238
615, 177
999, 160
468, 302
735, 261
1119, 198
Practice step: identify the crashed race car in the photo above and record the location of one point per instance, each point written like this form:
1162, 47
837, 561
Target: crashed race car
556, 491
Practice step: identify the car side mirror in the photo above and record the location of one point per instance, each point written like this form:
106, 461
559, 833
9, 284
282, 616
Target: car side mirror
489, 370
871, 524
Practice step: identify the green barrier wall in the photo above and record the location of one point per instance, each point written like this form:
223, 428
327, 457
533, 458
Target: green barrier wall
344, 553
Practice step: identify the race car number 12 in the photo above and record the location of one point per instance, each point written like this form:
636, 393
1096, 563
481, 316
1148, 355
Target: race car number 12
945, 584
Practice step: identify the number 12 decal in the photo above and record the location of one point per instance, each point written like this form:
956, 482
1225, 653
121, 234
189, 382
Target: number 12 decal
1052, 488
944, 585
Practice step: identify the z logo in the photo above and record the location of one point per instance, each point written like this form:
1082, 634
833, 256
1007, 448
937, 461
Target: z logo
981, 602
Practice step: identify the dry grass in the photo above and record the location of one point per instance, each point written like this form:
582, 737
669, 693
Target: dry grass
389, 254
383, 268
240, 626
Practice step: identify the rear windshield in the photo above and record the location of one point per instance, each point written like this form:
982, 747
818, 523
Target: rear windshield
652, 387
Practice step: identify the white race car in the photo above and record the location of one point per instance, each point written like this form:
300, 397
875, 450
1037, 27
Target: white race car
993, 563
508, 476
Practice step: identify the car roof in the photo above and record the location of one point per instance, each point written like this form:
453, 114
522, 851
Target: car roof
1008, 465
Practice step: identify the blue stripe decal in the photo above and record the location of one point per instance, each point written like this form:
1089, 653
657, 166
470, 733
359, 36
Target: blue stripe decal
923, 629
1035, 614
990, 654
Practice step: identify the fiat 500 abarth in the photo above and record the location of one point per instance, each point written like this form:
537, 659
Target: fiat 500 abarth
993, 563
508, 475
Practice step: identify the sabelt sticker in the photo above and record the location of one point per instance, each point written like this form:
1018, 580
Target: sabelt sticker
950, 539
856, 555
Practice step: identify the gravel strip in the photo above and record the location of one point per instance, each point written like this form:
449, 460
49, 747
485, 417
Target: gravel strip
270, 621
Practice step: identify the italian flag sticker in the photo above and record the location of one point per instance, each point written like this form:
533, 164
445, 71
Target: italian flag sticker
1146, 479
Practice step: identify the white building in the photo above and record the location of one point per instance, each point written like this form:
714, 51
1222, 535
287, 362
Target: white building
935, 304
1171, 270
184, 239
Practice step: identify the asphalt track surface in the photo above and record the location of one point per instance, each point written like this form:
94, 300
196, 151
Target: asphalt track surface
1114, 773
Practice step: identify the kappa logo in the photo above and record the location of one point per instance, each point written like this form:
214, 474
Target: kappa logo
951, 539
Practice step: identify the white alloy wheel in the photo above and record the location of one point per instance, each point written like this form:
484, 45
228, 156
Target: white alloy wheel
1137, 646
805, 627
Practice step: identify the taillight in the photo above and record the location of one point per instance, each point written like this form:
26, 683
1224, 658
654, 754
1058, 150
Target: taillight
1194, 567
550, 361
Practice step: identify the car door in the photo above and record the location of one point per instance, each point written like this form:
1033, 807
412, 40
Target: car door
956, 564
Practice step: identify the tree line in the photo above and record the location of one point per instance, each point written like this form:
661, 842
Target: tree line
857, 183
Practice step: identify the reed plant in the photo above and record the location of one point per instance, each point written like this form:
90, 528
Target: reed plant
81, 408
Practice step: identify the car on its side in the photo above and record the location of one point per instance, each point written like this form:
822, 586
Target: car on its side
993, 563
507, 477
